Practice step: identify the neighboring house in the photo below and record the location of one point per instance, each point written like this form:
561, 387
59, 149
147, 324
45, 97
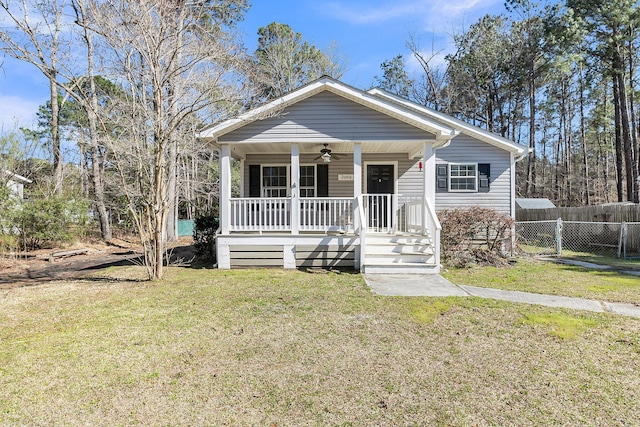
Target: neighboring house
334, 176
16, 183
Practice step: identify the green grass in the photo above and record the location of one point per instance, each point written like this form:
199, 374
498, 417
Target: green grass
560, 325
545, 277
604, 259
272, 347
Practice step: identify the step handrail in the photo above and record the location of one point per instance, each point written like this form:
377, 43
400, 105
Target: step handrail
361, 228
433, 223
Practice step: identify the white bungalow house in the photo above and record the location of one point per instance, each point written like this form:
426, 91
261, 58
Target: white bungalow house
333, 176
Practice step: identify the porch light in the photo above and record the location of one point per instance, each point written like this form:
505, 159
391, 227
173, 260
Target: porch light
326, 157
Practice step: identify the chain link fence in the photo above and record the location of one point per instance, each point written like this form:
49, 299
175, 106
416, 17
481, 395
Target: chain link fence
577, 238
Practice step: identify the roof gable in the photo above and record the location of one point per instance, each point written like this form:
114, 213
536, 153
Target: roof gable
328, 118
441, 131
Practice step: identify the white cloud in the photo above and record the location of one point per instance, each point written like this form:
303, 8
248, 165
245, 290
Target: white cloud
17, 112
435, 15
360, 14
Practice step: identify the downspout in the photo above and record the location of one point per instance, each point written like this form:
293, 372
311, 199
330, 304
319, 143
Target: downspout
513, 195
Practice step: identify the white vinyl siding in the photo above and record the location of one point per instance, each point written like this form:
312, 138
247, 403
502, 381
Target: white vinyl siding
327, 117
464, 150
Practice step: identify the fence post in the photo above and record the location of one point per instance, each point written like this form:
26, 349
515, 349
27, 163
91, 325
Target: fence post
559, 237
622, 241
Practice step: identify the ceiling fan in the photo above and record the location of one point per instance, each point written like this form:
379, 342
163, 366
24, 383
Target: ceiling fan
325, 154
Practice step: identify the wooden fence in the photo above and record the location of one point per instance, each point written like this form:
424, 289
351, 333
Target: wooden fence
611, 213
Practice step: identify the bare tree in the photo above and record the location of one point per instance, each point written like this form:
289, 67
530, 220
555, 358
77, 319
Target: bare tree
39, 41
84, 91
175, 61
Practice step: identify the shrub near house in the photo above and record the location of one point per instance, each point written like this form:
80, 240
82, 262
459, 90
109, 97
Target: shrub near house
474, 236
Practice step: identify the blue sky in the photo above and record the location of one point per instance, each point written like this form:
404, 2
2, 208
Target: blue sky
367, 33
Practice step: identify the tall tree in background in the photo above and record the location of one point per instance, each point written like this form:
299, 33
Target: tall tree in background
531, 64
395, 77
285, 61
37, 38
479, 72
611, 31
176, 60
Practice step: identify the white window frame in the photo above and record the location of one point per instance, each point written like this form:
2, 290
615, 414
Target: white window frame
315, 180
275, 165
475, 178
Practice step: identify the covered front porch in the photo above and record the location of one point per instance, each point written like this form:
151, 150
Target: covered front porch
363, 208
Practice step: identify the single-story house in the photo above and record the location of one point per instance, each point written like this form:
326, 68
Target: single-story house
16, 183
333, 176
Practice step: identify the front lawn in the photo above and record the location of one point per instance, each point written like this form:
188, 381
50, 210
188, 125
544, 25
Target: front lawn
546, 277
272, 347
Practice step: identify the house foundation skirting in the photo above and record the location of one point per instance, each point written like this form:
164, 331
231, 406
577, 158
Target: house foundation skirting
288, 251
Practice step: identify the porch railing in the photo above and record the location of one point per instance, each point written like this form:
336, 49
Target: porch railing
380, 213
260, 214
274, 214
388, 213
326, 214
432, 223
409, 213
378, 209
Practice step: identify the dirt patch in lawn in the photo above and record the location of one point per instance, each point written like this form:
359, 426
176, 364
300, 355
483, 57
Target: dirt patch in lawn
37, 267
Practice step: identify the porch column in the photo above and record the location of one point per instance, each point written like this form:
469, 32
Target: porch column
428, 181
295, 188
225, 189
429, 173
241, 177
357, 192
357, 169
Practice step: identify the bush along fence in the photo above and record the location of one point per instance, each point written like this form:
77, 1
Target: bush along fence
571, 238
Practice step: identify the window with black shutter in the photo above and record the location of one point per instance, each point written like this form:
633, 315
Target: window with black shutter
442, 178
254, 181
275, 182
484, 177
323, 180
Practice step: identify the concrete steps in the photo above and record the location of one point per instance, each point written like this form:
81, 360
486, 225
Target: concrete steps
399, 254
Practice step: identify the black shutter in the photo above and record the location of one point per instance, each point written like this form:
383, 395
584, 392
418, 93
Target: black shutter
254, 181
442, 178
484, 177
323, 180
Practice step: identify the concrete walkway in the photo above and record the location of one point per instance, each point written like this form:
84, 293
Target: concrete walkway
591, 265
434, 285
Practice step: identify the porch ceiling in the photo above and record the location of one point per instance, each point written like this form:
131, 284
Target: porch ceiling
412, 148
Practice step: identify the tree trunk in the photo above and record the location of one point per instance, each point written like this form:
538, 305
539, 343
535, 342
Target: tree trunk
530, 185
618, 139
633, 127
58, 173
97, 169
583, 137
618, 72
